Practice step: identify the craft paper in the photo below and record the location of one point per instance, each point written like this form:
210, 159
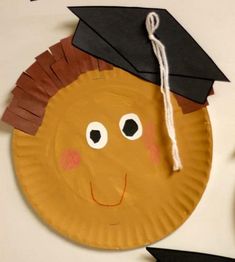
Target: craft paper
167, 255
118, 35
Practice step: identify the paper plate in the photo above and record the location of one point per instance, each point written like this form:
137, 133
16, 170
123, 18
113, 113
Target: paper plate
120, 192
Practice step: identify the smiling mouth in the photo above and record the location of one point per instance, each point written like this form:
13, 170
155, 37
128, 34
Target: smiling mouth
109, 205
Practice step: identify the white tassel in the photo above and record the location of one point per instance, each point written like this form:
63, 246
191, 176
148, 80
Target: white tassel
152, 23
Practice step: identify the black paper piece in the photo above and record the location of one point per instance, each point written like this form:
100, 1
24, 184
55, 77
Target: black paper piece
95, 136
118, 36
168, 255
130, 127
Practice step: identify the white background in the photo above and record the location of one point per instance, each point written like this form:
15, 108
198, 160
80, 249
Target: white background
27, 29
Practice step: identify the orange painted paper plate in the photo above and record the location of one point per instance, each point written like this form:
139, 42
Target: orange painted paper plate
99, 169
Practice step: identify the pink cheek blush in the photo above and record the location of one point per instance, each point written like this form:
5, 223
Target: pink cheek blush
69, 159
152, 148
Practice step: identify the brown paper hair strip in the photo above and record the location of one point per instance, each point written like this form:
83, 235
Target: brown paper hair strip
57, 51
20, 123
46, 60
26, 83
14, 108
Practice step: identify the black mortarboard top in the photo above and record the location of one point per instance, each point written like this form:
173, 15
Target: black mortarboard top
168, 255
118, 35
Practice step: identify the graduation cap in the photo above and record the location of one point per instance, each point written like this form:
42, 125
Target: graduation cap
167, 255
118, 36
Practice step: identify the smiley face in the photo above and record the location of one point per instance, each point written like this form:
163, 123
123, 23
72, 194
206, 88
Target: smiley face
99, 170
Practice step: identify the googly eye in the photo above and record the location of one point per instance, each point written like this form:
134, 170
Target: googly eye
130, 126
96, 135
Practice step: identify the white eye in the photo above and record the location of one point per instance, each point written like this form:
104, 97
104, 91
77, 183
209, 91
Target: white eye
130, 126
96, 135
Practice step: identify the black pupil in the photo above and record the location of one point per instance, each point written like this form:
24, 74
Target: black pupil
130, 127
95, 136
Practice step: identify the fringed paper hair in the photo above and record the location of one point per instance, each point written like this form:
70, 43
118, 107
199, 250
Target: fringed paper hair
55, 69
